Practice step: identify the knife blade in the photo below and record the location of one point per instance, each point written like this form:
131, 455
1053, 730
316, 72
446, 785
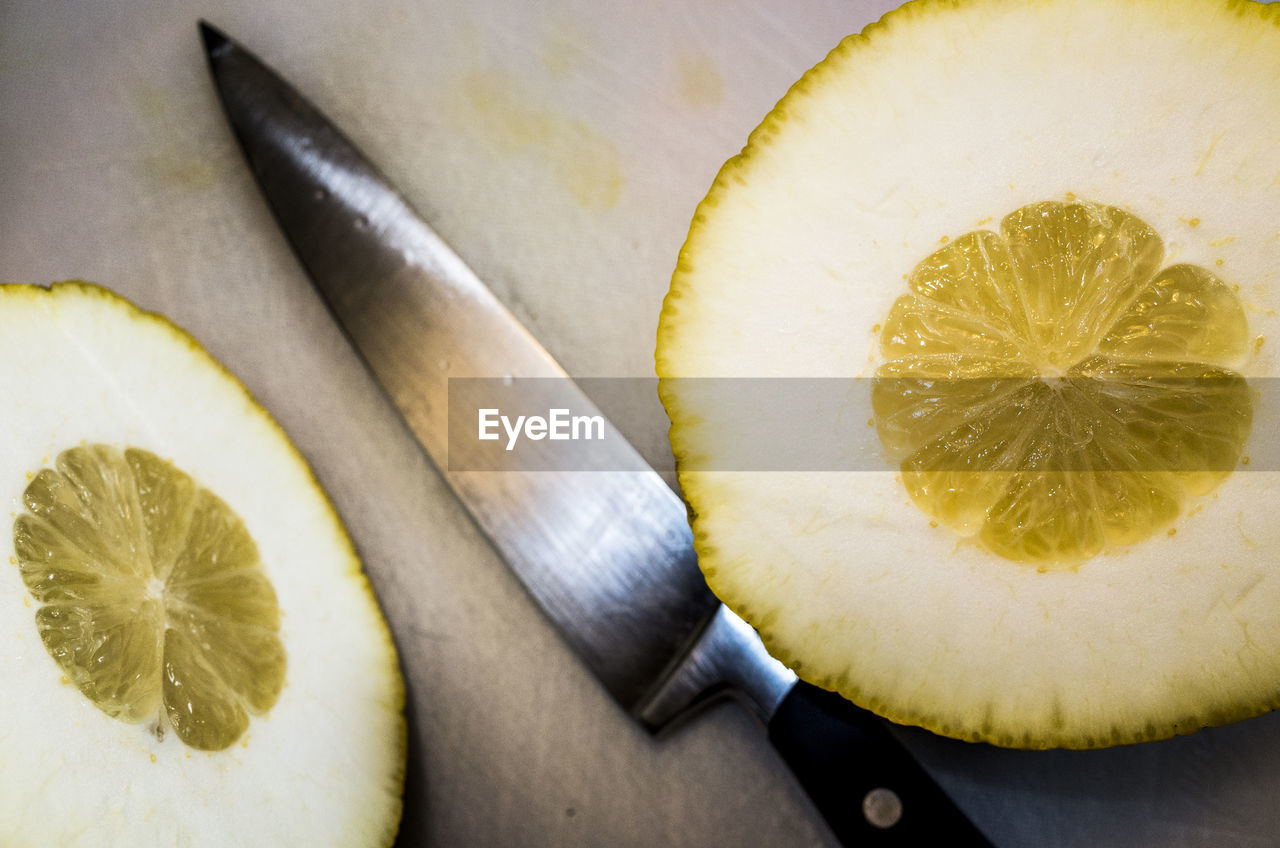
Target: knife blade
607, 553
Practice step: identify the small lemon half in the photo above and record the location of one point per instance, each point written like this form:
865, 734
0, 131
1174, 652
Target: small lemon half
192, 653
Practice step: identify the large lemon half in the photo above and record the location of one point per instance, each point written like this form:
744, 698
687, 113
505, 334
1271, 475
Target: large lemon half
1034, 247
191, 652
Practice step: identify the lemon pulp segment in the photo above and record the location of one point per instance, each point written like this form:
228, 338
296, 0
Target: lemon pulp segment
1052, 391
153, 598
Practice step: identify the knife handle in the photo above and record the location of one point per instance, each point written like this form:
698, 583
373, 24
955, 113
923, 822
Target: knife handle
867, 786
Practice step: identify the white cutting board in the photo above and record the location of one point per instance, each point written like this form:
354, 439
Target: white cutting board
560, 147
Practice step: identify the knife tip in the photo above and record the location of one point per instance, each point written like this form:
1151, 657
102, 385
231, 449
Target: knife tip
214, 39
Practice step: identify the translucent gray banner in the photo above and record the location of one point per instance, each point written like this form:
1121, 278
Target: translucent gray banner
1212, 422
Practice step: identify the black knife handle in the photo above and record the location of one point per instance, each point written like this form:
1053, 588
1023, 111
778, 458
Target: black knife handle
846, 759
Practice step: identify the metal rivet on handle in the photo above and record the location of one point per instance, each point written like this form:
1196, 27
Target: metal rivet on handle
882, 807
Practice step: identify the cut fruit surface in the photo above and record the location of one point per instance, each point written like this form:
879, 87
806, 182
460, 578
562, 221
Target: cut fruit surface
1042, 238
194, 655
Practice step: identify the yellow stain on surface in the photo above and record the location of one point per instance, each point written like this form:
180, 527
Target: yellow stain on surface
151, 102
1209, 153
563, 53
584, 162
175, 160
180, 171
698, 82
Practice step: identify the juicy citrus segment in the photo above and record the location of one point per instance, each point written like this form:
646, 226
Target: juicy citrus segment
109, 651
202, 709
217, 547
167, 502
933, 369
237, 614
70, 508
918, 326
960, 474
964, 301
1184, 418
1043, 516
916, 415
1099, 451
1132, 505
1186, 313
153, 591
80, 576
974, 274
1078, 266
918, 399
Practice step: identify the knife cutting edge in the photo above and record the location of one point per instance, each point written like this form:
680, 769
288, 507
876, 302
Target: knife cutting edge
607, 554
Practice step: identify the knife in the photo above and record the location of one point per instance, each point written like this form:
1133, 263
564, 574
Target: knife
607, 554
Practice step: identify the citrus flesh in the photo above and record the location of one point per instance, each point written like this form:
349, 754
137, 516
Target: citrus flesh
153, 596
1042, 239
193, 654
1053, 391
